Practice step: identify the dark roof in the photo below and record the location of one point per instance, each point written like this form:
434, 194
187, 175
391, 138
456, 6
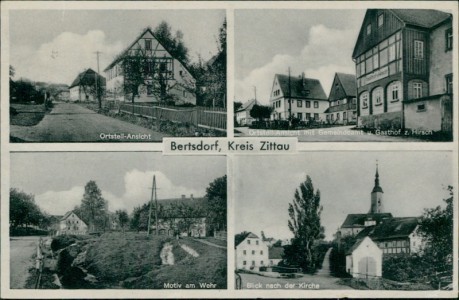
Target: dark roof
427, 18
247, 105
275, 252
300, 86
391, 229
355, 220
349, 83
89, 75
246, 235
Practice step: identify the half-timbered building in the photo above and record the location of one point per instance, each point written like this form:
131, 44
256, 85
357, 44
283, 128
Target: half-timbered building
342, 99
163, 73
404, 56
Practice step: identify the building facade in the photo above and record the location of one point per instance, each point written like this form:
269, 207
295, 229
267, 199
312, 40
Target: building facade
403, 58
84, 87
364, 259
72, 224
163, 74
243, 117
342, 100
298, 97
251, 253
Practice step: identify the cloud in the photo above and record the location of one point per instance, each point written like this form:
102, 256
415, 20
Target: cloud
137, 185
61, 59
327, 51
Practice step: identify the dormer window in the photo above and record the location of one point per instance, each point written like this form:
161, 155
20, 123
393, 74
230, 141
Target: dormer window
368, 29
147, 44
380, 20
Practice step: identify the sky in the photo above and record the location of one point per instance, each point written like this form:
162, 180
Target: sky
411, 181
56, 45
57, 179
316, 42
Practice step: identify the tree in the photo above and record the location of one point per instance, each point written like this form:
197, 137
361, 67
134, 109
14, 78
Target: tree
12, 71
436, 229
304, 223
260, 112
94, 206
92, 85
24, 210
216, 207
237, 105
174, 45
123, 218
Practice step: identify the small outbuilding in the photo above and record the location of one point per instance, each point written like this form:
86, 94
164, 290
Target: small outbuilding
364, 259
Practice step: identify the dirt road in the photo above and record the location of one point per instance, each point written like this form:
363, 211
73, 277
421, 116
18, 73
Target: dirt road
70, 122
21, 251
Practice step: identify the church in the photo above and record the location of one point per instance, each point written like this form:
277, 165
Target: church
393, 235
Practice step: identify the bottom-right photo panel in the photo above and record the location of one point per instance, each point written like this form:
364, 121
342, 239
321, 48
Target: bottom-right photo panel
344, 220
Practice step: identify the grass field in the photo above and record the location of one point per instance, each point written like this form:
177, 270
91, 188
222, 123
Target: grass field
27, 114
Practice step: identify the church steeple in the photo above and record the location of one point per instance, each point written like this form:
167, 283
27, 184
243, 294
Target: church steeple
376, 195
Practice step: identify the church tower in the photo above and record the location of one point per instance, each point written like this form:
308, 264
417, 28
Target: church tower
376, 196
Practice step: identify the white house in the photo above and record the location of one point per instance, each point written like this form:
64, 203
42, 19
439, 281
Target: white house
160, 66
364, 259
72, 224
251, 253
243, 117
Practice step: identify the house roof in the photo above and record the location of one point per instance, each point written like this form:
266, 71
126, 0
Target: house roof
427, 18
67, 214
123, 53
355, 246
390, 229
275, 252
245, 236
349, 84
88, 74
247, 105
300, 86
356, 220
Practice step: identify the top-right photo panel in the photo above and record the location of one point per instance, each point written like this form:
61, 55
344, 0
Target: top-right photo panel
374, 75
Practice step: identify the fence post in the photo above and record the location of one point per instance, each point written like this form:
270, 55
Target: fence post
195, 116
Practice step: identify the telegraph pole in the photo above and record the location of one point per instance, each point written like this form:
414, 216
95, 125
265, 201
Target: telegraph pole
153, 195
289, 98
255, 90
97, 79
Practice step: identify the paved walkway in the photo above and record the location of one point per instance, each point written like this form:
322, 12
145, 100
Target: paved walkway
69, 122
210, 244
21, 252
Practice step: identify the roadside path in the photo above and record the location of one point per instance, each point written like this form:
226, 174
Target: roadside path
21, 252
210, 244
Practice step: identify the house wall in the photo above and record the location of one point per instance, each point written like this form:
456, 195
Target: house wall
74, 93
282, 113
350, 231
72, 225
366, 260
428, 118
416, 242
441, 60
251, 254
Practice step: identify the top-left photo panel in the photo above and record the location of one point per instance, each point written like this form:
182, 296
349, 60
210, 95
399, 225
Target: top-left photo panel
116, 75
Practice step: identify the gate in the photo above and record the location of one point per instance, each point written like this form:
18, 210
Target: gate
367, 267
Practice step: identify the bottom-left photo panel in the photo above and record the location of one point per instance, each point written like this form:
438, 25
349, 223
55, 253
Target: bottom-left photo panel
117, 220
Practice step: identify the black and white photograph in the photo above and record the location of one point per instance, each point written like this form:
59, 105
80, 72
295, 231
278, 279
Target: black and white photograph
117, 220
354, 75
116, 75
344, 221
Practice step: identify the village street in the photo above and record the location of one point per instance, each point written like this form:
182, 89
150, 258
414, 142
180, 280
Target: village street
69, 122
331, 134
21, 251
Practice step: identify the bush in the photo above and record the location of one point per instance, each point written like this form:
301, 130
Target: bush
63, 241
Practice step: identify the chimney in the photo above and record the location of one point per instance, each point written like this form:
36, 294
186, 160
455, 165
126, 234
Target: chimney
183, 197
303, 81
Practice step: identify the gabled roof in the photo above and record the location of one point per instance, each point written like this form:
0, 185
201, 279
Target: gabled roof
67, 214
275, 252
88, 75
349, 84
300, 86
245, 236
355, 246
391, 229
427, 18
247, 105
358, 220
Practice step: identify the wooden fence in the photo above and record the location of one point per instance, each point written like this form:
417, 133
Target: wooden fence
212, 118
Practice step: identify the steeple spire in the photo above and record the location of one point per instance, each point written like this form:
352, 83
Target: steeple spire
377, 175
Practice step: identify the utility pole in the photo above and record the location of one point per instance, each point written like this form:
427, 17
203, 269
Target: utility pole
255, 90
289, 98
97, 79
153, 195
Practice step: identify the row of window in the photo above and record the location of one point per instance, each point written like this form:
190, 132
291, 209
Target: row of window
307, 116
385, 52
394, 94
276, 93
253, 252
396, 250
299, 103
343, 101
256, 242
380, 23
331, 117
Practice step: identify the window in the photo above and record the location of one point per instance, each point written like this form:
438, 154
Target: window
344, 115
299, 116
181, 73
147, 44
368, 29
417, 90
308, 104
316, 117
149, 90
248, 242
449, 83
364, 100
332, 118
376, 60
244, 262
299, 103
261, 252
394, 92
380, 20
449, 39
308, 116
316, 104
253, 252
256, 242
337, 116
253, 263
261, 262
418, 49
244, 252
377, 96
421, 107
